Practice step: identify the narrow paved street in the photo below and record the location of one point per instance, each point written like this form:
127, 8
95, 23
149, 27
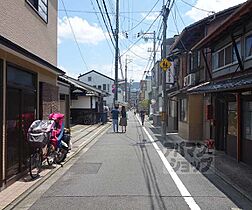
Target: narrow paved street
125, 171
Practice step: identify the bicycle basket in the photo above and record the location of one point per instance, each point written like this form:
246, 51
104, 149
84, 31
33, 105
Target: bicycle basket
39, 133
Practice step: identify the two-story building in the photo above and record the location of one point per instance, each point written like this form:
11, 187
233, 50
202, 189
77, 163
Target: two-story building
102, 82
229, 91
187, 109
28, 77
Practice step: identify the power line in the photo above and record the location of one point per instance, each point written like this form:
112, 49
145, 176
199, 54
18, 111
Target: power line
105, 23
91, 12
179, 14
106, 11
144, 17
101, 27
83, 11
82, 57
197, 7
141, 36
175, 23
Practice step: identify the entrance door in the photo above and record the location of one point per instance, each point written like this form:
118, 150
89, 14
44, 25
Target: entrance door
246, 130
221, 124
1, 121
13, 131
232, 129
21, 112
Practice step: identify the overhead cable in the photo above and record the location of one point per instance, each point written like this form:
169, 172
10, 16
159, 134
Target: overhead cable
197, 7
75, 39
144, 17
101, 27
141, 36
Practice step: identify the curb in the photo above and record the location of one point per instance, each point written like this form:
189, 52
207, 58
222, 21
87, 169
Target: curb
20, 198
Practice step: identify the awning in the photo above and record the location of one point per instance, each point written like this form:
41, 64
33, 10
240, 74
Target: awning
230, 84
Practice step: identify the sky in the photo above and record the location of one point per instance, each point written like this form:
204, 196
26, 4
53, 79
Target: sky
84, 43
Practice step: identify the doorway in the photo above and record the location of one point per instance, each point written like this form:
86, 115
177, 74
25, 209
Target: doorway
21, 112
246, 143
221, 124
1, 121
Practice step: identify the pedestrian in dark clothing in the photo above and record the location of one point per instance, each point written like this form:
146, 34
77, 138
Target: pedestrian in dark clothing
115, 115
142, 115
123, 119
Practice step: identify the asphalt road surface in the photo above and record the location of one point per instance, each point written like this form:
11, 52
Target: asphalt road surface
130, 171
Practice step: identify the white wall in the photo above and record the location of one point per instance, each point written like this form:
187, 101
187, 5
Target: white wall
83, 102
98, 79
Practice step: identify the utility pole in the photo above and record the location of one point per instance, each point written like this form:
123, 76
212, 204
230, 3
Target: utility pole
164, 104
126, 82
116, 52
154, 47
126, 95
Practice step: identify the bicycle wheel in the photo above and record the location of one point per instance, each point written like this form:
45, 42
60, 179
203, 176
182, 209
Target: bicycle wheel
61, 155
35, 163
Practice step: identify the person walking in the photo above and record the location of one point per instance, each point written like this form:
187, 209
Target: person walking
142, 115
123, 119
115, 115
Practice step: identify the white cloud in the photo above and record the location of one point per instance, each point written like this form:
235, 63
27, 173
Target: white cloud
213, 5
151, 16
84, 31
140, 58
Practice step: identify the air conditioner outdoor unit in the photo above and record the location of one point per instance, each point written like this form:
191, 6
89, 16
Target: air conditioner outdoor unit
189, 79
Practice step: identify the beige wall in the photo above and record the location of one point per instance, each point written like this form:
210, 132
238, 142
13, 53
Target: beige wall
43, 74
195, 117
193, 129
22, 25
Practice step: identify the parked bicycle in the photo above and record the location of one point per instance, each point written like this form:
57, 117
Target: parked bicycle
49, 142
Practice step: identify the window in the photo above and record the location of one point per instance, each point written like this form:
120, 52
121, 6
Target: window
94, 86
104, 87
221, 58
191, 63
20, 78
198, 59
247, 120
248, 46
183, 109
99, 87
228, 55
234, 57
108, 87
89, 79
215, 60
41, 7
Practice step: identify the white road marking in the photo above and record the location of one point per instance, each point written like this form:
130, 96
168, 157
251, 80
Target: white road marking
181, 187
